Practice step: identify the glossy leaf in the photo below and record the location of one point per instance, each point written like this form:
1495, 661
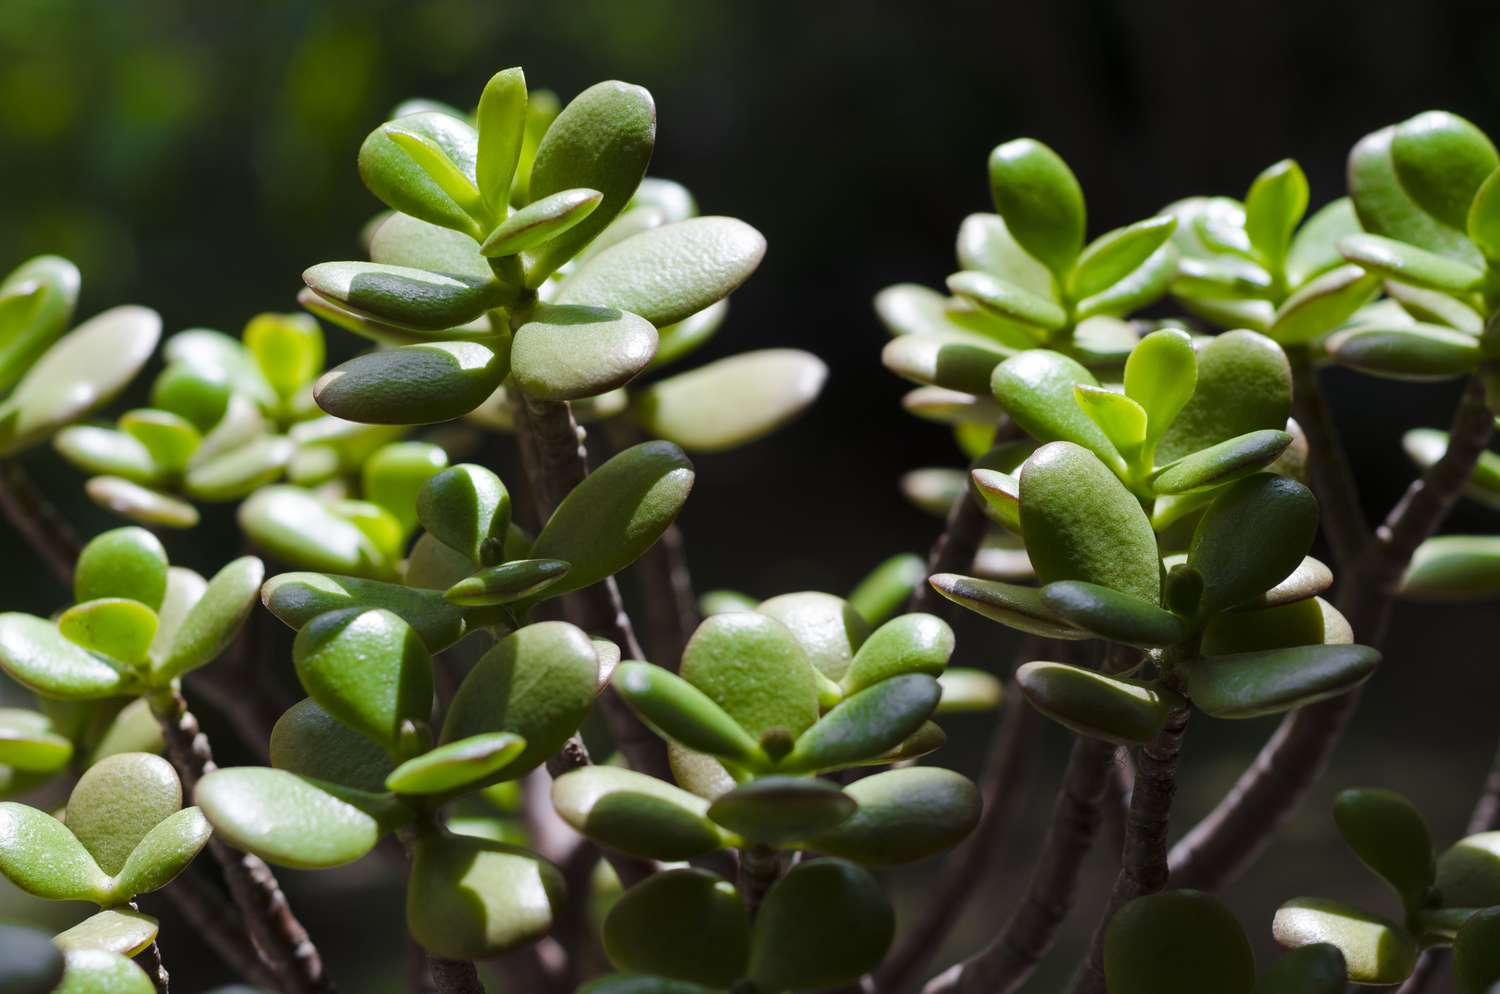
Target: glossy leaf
36, 302
679, 711
1483, 221
142, 504
123, 562
309, 741
501, 123
214, 620
1413, 352
1468, 872
118, 801
1114, 709
1397, 260
1121, 419
1322, 305
1040, 199
685, 924
569, 352
903, 815
41, 857
1375, 951
456, 765
469, 898
368, 669
116, 627
29, 742
96, 971
403, 295
911, 643
395, 474
986, 244
1454, 567
38, 656
1038, 390
239, 471
1177, 942
506, 583
775, 690
1110, 614
120, 931
1223, 463
1251, 684
467, 508
1244, 384
824, 923
960, 365
1311, 621
1389, 836
1273, 207
163, 853
778, 809
995, 295
1015, 606
733, 401
636, 814
394, 176
1160, 376
1314, 969
297, 598
866, 724
1476, 952
1253, 536
169, 438
414, 384
1440, 159
829, 630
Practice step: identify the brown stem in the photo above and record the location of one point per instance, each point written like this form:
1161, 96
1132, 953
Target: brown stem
760, 868
1143, 861
276, 931
1116, 804
1230, 837
454, 976
219, 923
574, 755
1332, 478
1006, 963
156, 969
30, 513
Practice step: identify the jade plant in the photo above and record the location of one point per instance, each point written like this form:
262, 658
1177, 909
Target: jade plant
1155, 506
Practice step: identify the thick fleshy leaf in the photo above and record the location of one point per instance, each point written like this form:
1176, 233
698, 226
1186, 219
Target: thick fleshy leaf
1322, 305
1115, 709
123, 562
471, 899
96, 971
294, 526
540, 221
904, 815
1040, 199
84, 370
866, 724
1483, 221
1314, 969
287, 348
105, 450
1454, 567
1414, 352
28, 742
685, 924
368, 669
213, 622
1253, 536
1112, 615
1274, 205
1223, 463
116, 627
396, 177
571, 351
1375, 951
601, 141
118, 930
778, 809
466, 507
1311, 621
888, 586
40, 856
985, 244
402, 240
753, 667
675, 341
39, 657
237, 472
1160, 375
668, 273
141, 504
637, 814
1080, 523
118, 801
1116, 254
1440, 160
960, 365
1251, 684
1015, 606
435, 566
297, 598
295, 821
36, 302
456, 765
1122, 420
501, 122
616, 513
506, 583
217, 356
133, 729
1389, 836
395, 474
825, 923
1177, 942
1006, 300
1476, 952
911, 643
538, 683
733, 401
403, 295
966, 689
679, 711
1244, 384
1037, 389
829, 630
1387, 207
169, 438
414, 384
309, 741
163, 853
1309, 579
1468, 872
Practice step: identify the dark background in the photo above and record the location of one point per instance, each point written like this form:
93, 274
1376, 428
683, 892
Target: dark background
195, 157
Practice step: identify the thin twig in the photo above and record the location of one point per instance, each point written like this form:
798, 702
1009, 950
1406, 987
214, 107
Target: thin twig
45, 529
1230, 837
157, 969
278, 934
1143, 861
1116, 804
219, 923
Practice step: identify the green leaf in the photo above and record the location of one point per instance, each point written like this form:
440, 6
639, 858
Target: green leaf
83, 371
216, 356
402, 240
778, 809
169, 438
119, 931
1040, 199
1312, 621
1414, 352
40, 658
1220, 464
413, 384
823, 924
1116, 254
36, 303
866, 724
985, 244
403, 295
569, 352
1121, 419
509, 582
960, 365
467, 508
1435, 307
214, 621
888, 586
615, 514
733, 401
395, 474
1251, 684
642, 983
753, 667
1177, 942
1038, 389
394, 176
133, 729
138, 503
1375, 951
1322, 305
1160, 376
997, 296
1253, 536
967, 689
435, 566
1112, 615
904, 815
1080, 523
1476, 952
1483, 221
1386, 207
287, 348
369, 670
1221, 280
449, 176
29, 964
118, 801
1454, 567
1468, 872
1440, 161
1315, 969
538, 222
677, 710
1389, 836
1017, 607
295, 821
470, 899
668, 273
637, 814
689, 334
107, 451
29, 743
163, 853
95, 971
1244, 384
296, 527
456, 765
1126, 712
297, 598
41, 857
601, 141
123, 562
647, 928
235, 473
911, 643
116, 627
310, 742
538, 683
1273, 207
829, 630
1314, 248
1399, 261
501, 121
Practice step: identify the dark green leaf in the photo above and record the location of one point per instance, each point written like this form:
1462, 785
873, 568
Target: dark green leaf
1244, 384
904, 815
471, 899
1112, 615
414, 384
1040, 199
467, 508
1251, 684
1115, 709
1375, 951
755, 669
538, 222
636, 814
1412, 352
685, 924
1177, 942
677, 710
456, 765
866, 724
1037, 389
1389, 836
1253, 536
403, 295
506, 583
778, 809
398, 179
1018, 607
369, 670
1468, 872
309, 741
569, 352
825, 923
1315, 969
1476, 952
1222, 463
